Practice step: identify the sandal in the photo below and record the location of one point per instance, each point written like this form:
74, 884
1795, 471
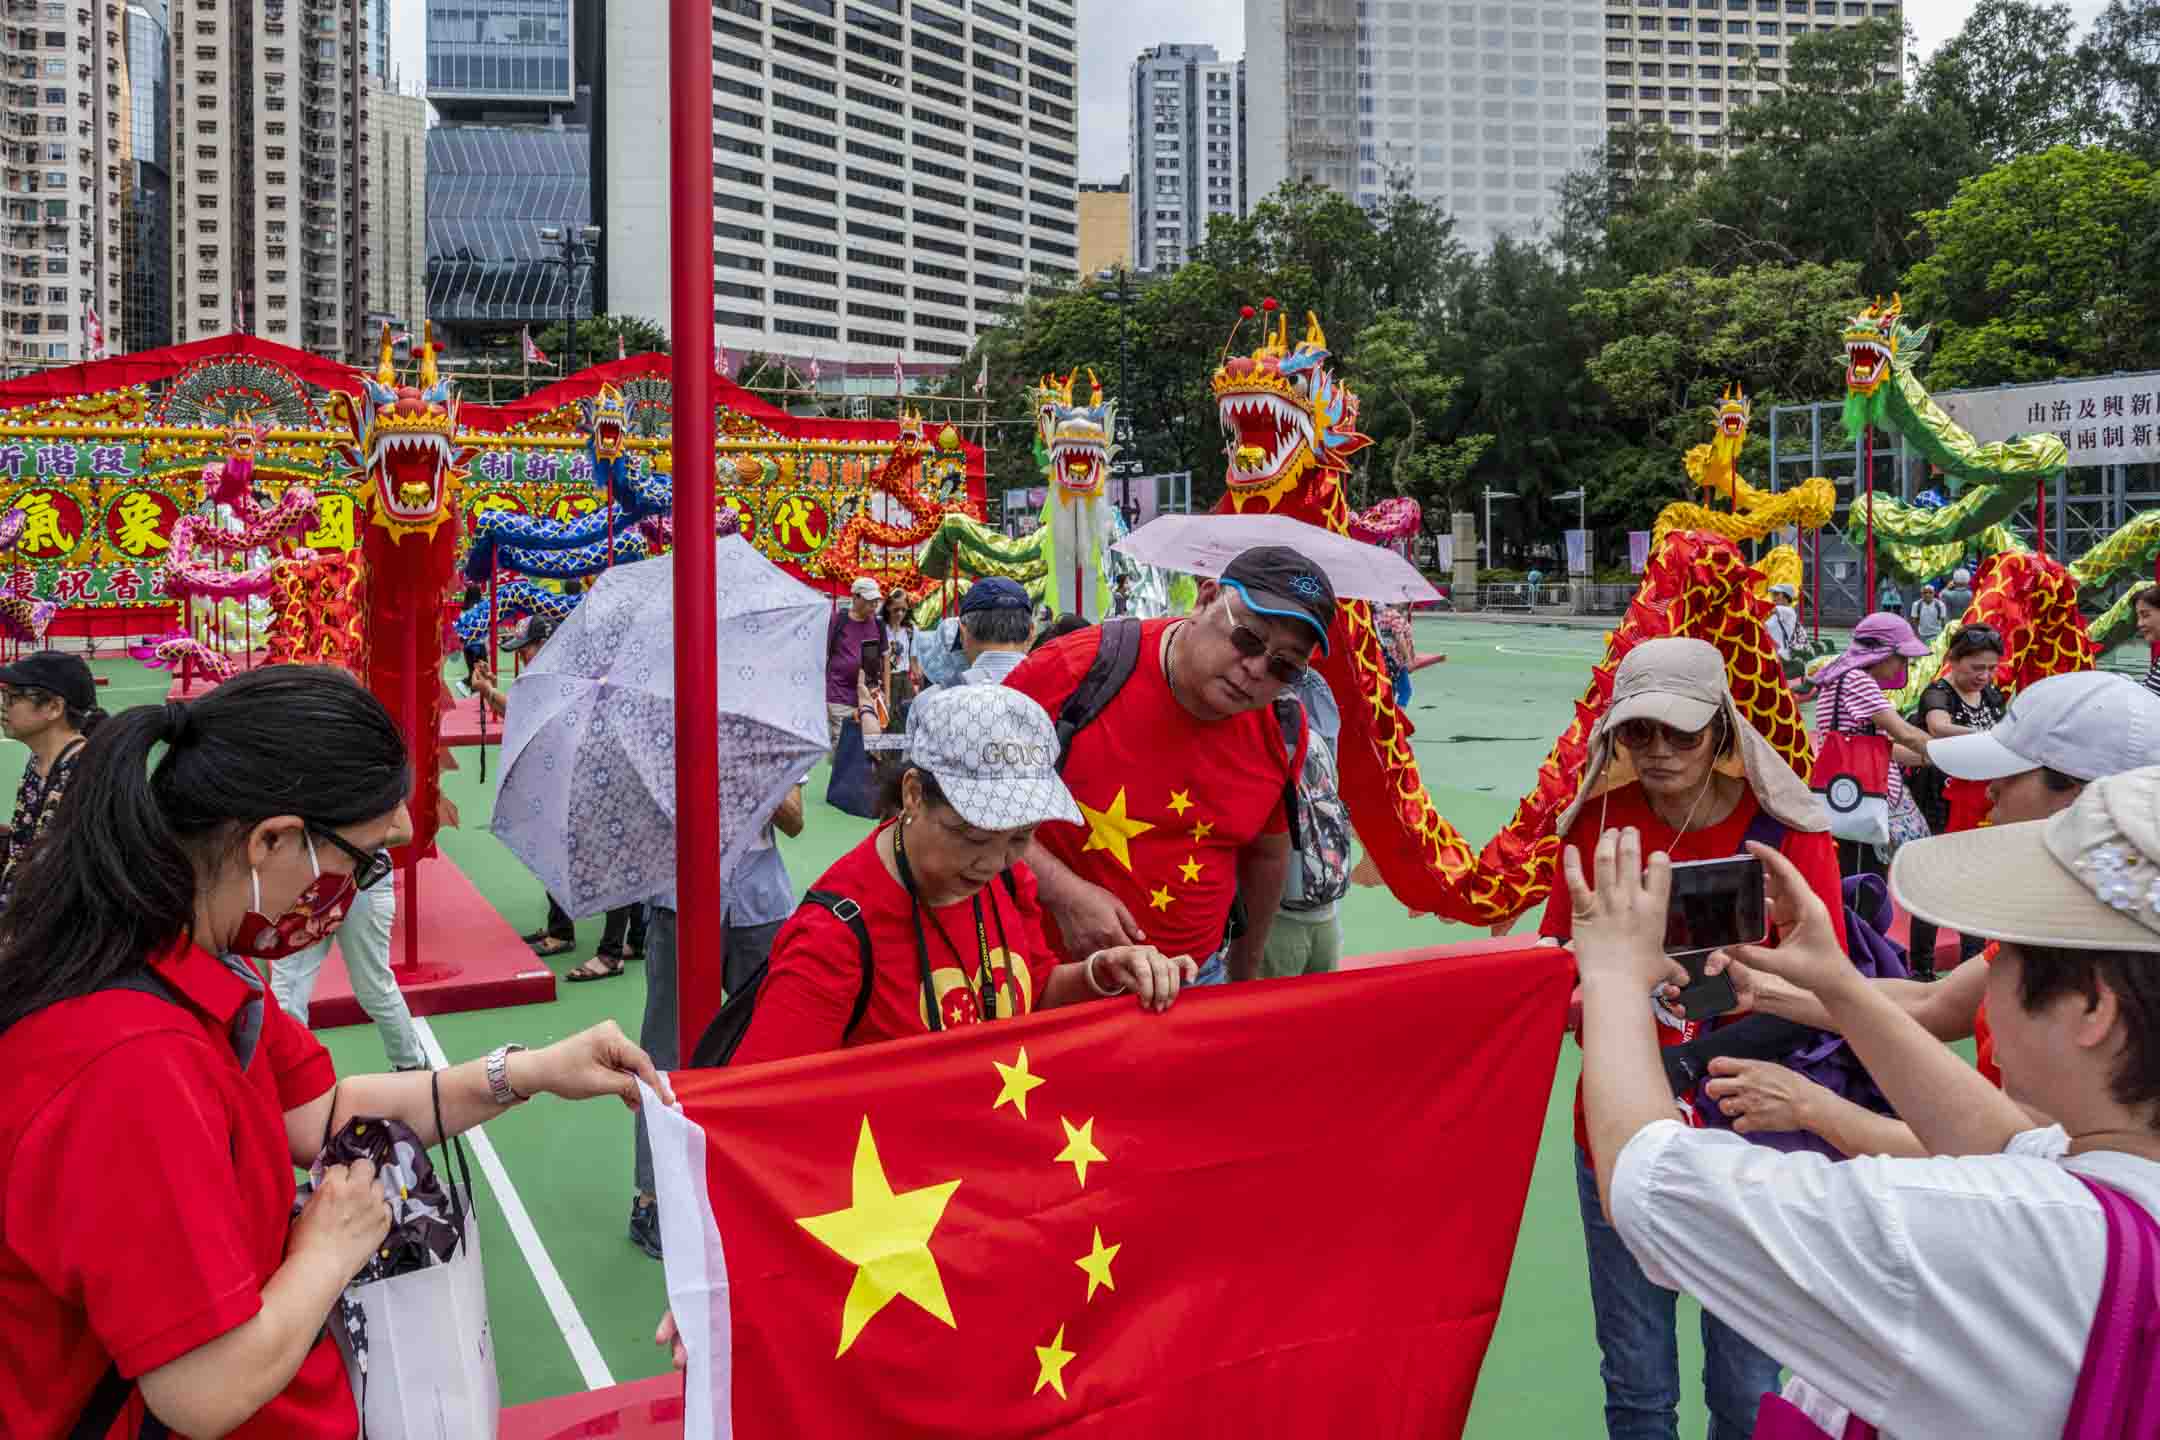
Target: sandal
610, 966
547, 947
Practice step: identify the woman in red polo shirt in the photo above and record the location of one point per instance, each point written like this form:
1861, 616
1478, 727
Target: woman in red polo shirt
152, 1273
955, 932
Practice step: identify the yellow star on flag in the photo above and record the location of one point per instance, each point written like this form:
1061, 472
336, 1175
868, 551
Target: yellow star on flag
1053, 1358
1191, 869
1160, 899
1079, 1148
1097, 1264
1017, 1083
1202, 829
1113, 830
887, 1238
1180, 802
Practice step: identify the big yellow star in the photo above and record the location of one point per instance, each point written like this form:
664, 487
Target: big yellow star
1191, 869
1079, 1148
1180, 802
1052, 1358
887, 1238
1017, 1083
1160, 898
1113, 830
1097, 1264
1202, 829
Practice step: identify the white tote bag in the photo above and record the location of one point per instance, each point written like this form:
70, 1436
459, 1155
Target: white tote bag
421, 1361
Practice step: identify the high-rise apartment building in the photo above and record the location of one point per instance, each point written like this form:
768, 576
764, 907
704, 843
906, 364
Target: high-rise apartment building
1187, 130
1485, 106
65, 137
269, 123
887, 179
146, 203
396, 208
379, 39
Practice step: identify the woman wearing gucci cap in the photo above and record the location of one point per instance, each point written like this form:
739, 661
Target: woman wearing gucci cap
2006, 1284
950, 910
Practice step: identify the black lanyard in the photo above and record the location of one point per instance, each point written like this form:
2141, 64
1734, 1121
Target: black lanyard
985, 981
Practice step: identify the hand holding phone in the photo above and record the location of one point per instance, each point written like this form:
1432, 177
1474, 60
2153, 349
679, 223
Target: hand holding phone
1715, 904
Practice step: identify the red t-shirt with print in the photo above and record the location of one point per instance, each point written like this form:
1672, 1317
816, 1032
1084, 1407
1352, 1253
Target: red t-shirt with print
816, 967
1167, 800
1813, 853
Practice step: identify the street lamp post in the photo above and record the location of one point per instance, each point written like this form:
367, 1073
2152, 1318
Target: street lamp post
580, 247
1581, 496
1117, 286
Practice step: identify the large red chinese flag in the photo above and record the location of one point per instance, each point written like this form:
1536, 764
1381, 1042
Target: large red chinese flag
1280, 1209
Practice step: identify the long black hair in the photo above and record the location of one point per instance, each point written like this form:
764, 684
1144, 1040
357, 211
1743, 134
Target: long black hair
114, 882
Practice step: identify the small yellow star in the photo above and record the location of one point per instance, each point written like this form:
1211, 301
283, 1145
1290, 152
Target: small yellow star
1160, 898
1080, 1148
1180, 802
1053, 1358
1017, 1083
1190, 869
1097, 1264
1202, 829
1113, 830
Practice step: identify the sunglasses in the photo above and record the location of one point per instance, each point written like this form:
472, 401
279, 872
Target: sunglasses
369, 866
1638, 735
1252, 645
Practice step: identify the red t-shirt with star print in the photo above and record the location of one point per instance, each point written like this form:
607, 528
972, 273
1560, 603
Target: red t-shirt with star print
1168, 800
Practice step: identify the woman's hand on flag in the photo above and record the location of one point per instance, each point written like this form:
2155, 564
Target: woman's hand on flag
595, 1062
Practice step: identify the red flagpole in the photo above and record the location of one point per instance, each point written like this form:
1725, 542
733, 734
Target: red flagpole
1867, 606
697, 678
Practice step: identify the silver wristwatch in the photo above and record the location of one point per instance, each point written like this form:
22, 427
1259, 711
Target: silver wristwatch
498, 1075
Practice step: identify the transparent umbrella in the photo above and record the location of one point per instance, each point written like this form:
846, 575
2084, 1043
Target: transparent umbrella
588, 788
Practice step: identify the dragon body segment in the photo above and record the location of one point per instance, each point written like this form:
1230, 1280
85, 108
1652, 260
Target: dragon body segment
1288, 426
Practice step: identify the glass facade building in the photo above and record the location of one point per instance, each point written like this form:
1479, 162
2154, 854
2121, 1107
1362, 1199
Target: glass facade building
489, 191
146, 200
500, 50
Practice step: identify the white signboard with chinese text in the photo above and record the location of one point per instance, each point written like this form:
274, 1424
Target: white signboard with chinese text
2111, 421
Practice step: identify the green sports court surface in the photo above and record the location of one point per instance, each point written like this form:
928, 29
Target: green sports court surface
573, 1302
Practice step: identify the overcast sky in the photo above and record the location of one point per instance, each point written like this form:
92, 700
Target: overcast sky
1110, 38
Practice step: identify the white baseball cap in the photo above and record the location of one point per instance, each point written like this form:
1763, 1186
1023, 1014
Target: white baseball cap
2083, 725
866, 588
994, 753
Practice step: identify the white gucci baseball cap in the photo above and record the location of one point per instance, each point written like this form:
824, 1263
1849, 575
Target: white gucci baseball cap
994, 754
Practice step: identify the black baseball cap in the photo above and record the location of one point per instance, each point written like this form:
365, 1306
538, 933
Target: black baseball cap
1277, 580
532, 630
64, 675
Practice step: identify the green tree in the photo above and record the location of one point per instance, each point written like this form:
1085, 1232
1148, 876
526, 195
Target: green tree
2042, 268
2021, 83
596, 340
2122, 53
1403, 398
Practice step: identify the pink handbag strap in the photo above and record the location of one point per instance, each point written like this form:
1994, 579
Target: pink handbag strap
2118, 1394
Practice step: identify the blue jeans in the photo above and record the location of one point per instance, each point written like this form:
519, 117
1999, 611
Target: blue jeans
1215, 970
1639, 1341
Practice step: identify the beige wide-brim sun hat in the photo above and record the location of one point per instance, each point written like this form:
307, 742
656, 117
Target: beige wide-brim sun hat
2087, 878
1681, 683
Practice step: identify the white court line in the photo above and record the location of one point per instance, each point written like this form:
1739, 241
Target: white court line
574, 1332
1548, 654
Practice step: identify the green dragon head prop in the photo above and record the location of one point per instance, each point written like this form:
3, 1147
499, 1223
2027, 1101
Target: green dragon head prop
1074, 439
1283, 412
1879, 347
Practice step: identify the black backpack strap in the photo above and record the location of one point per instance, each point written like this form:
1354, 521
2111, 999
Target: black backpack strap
1765, 829
848, 913
1290, 715
1117, 655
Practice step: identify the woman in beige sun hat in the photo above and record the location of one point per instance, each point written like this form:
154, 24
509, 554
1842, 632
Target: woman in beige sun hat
1906, 1291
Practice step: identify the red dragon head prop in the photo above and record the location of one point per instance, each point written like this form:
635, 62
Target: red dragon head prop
1283, 412
405, 444
228, 481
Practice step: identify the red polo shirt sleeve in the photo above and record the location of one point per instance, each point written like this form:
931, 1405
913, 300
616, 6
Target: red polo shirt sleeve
119, 1202
303, 1069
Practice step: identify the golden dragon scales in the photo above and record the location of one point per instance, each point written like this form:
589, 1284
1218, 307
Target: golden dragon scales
1288, 427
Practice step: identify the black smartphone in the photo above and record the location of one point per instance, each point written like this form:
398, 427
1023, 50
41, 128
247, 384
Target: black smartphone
1714, 904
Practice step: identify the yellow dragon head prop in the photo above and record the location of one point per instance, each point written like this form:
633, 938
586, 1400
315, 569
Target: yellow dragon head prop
405, 444
1076, 438
1283, 412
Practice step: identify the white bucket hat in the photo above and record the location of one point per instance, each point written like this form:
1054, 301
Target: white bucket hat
994, 754
2087, 878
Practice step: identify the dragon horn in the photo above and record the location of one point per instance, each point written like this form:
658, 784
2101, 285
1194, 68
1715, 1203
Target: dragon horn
1094, 387
1314, 336
386, 370
427, 355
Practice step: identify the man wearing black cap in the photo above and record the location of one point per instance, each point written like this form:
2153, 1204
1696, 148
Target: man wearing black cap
51, 706
1181, 776
997, 620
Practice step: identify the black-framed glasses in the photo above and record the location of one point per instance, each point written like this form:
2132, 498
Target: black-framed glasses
1637, 735
1252, 645
369, 866
28, 694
